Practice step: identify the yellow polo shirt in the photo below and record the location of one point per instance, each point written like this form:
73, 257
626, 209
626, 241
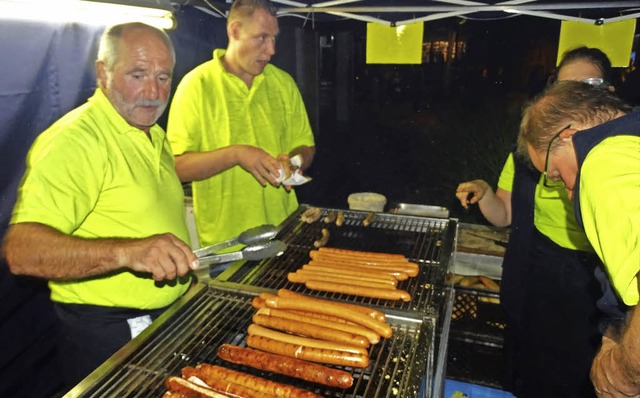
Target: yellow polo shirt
610, 206
92, 175
553, 212
212, 109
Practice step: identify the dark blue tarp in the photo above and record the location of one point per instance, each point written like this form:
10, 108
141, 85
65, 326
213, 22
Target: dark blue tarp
45, 71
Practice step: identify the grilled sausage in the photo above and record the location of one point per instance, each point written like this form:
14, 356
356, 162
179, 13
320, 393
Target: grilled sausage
336, 268
410, 269
188, 389
375, 314
258, 303
333, 309
373, 337
383, 279
287, 366
310, 330
324, 238
266, 388
332, 357
368, 220
366, 254
302, 277
360, 269
340, 218
364, 291
257, 330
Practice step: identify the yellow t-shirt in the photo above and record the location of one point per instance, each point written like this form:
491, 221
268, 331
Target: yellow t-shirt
92, 175
212, 109
553, 212
610, 207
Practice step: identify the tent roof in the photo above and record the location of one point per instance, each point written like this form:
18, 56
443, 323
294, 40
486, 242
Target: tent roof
400, 12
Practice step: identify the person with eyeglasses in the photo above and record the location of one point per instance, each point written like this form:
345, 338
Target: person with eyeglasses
548, 291
587, 140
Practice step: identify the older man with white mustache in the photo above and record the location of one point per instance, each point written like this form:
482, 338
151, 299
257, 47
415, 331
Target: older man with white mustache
100, 209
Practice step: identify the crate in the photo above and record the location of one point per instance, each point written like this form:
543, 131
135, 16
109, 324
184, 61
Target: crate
476, 338
478, 313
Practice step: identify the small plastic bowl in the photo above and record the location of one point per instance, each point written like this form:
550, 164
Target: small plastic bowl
367, 201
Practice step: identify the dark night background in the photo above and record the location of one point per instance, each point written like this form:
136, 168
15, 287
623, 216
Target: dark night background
416, 131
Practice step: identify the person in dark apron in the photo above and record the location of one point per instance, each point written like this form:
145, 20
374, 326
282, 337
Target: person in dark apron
548, 290
587, 140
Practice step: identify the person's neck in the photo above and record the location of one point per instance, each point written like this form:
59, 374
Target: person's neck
230, 66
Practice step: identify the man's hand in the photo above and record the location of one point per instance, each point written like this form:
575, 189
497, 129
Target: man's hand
477, 189
607, 373
163, 256
263, 167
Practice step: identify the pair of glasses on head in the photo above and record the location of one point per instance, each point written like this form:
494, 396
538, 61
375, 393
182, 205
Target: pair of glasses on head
596, 81
555, 181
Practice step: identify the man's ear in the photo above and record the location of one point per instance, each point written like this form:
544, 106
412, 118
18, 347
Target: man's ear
568, 133
233, 29
101, 74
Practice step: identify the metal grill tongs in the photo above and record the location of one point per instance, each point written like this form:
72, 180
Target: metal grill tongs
259, 245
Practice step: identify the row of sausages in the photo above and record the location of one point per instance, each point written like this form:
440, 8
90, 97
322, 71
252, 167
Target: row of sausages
353, 272
294, 335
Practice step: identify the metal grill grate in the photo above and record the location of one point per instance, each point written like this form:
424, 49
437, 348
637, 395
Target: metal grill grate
425, 241
191, 331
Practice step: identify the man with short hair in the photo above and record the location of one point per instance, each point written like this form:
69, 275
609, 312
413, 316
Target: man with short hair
234, 122
588, 140
100, 209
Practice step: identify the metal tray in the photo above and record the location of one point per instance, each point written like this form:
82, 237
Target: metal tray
419, 210
193, 328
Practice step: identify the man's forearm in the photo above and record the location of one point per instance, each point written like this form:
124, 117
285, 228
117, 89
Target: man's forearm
627, 353
494, 209
196, 166
38, 250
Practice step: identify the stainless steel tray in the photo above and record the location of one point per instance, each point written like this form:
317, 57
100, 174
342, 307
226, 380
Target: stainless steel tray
419, 210
193, 328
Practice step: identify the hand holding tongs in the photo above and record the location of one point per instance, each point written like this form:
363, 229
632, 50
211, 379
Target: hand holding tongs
259, 246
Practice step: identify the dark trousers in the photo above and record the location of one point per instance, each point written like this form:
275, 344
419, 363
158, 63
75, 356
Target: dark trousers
559, 336
89, 335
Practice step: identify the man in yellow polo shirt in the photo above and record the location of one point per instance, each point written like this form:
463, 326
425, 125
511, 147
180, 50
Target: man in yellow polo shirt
233, 121
100, 209
588, 140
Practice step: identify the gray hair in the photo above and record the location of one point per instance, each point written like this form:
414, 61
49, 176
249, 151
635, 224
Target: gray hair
562, 104
108, 50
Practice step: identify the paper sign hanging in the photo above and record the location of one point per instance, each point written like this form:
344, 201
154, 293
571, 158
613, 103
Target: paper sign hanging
394, 45
614, 39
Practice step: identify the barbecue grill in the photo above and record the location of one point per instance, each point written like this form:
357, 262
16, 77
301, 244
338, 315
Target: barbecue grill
409, 364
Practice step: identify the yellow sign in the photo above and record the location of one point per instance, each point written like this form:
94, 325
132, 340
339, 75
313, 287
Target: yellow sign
394, 45
614, 39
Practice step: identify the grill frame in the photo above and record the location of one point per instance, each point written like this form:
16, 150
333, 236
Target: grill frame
177, 339
143, 364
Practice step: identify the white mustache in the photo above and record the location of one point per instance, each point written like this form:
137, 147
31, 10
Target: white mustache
148, 102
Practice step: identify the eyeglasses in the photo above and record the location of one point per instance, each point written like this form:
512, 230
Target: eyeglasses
552, 182
596, 81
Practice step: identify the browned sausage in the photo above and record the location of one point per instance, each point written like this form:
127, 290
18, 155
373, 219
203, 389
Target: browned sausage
258, 330
336, 268
302, 277
267, 388
319, 320
285, 365
332, 357
375, 314
364, 291
384, 279
360, 269
364, 253
333, 309
189, 389
310, 330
